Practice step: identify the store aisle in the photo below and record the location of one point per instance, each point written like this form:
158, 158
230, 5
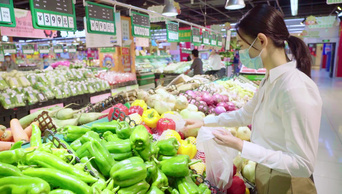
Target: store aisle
328, 170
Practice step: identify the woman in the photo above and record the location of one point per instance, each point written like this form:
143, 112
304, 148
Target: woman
285, 112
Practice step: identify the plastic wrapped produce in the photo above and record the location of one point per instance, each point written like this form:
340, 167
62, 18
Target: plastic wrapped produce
6, 101
31, 98
13, 82
3, 84
24, 81
57, 92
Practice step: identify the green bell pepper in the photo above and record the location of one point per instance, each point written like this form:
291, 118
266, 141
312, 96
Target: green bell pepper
150, 152
61, 191
168, 147
23, 184
102, 156
83, 150
160, 181
204, 189
151, 171
90, 135
124, 130
99, 185
51, 161
57, 178
155, 190
110, 137
121, 156
9, 170
74, 132
185, 185
85, 160
161, 157
129, 172
140, 138
177, 166
12, 156
174, 191
111, 126
138, 188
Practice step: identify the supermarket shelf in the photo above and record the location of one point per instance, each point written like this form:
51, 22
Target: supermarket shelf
125, 88
152, 57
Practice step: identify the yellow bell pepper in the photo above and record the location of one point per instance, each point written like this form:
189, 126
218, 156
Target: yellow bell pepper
187, 148
192, 140
151, 118
171, 133
140, 103
168, 112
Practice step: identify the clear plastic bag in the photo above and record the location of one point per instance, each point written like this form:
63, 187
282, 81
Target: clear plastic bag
219, 159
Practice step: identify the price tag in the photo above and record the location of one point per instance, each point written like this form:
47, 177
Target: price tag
100, 18
140, 25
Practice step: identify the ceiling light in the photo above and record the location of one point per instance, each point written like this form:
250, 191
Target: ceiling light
294, 7
169, 9
235, 4
339, 8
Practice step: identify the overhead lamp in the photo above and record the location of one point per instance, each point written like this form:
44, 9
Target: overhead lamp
169, 9
294, 7
339, 8
235, 4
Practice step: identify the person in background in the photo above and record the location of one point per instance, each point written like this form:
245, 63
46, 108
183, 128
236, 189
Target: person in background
188, 58
285, 112
9, 64
236, 62
197, 64
215, 63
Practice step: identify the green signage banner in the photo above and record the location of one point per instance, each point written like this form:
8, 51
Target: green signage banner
7, 17
140, 25
9, 48
213, 40
184, 35
72, 49
205, 38
43, 49
196, 36
219, 40
53, 14
100, 18
58, 48
107, 50
172, 29
27, 49
333, 1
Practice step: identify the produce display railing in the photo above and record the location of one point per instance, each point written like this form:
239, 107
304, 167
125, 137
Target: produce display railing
103, 105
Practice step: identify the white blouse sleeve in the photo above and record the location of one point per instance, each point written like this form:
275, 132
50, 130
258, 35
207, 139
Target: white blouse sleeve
300, 111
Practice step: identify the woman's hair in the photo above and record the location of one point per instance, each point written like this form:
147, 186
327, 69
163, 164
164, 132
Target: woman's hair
269, 21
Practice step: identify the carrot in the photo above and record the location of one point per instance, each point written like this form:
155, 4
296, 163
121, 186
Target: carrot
18, 131
7, 136
5, 145
28, 129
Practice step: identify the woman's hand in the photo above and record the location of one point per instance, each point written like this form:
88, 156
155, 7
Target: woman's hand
193, 124
224, 137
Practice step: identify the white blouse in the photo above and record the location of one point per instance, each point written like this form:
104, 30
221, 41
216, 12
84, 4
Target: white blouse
285, 114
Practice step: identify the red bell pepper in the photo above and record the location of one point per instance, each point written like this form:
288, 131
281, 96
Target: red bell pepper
165, 124
121, 107
135, 109
148, 129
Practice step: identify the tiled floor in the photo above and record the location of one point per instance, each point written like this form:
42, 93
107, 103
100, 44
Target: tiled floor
328, 170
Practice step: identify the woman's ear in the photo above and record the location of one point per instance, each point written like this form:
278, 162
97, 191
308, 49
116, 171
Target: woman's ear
263, 40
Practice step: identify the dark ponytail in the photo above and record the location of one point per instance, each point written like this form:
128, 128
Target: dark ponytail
269, 21
301, 53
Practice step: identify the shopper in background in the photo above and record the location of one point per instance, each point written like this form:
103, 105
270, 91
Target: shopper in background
236, 63
188, 58
197, 64
285, 112
214, 63
9, 64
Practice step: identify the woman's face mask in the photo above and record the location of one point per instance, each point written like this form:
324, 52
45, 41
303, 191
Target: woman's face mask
246, 60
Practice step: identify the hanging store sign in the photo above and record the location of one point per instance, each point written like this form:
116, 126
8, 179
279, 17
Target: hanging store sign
100, 18
53, 14
206, 38
7, 17
333, 1
219, 40
140, 25
9, 48
172, 29
184, 35
43, 49
58, 48
27, 49
213, 40
72, 49
196, 36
